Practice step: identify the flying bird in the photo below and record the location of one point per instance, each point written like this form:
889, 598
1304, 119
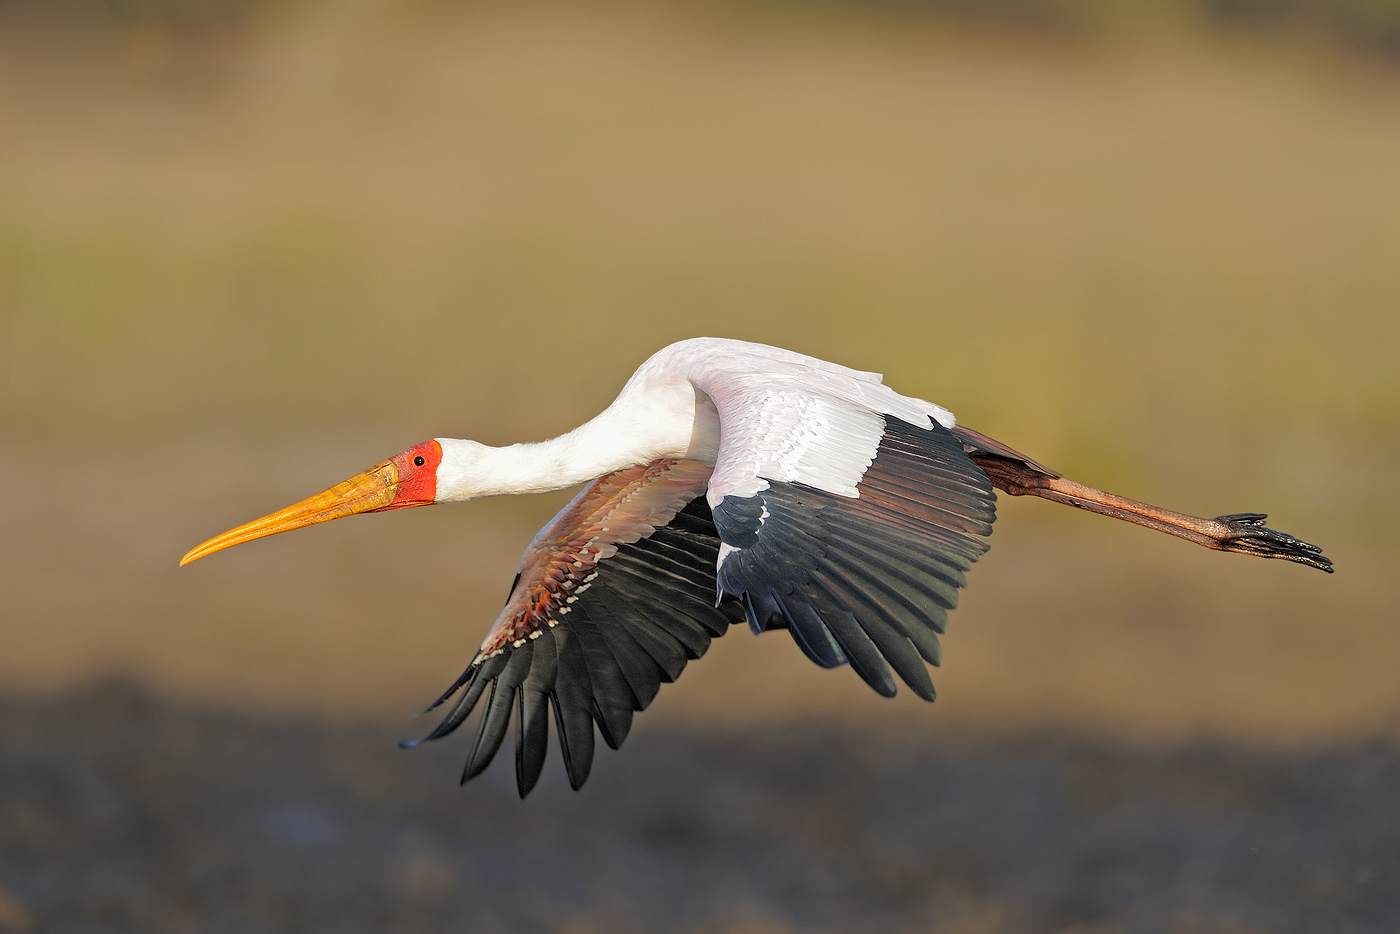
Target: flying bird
728, 482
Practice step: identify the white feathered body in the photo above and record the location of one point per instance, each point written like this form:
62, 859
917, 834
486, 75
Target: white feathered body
755, 413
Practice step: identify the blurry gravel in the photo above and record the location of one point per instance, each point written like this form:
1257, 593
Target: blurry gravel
122, 813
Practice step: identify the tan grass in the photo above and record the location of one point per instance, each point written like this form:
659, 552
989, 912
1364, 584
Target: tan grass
235, 270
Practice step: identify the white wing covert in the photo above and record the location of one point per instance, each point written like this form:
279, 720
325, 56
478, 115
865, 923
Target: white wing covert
848, 517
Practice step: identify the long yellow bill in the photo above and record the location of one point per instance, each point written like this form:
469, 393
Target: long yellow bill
374, 489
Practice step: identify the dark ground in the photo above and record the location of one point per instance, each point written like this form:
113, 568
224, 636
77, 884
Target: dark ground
120, 813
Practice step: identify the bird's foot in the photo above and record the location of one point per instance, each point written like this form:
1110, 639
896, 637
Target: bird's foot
1247, 534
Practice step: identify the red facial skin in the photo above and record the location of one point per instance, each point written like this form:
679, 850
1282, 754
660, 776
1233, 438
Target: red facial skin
417, 485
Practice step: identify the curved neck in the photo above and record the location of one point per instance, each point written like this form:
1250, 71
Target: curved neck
645, 423
470, 470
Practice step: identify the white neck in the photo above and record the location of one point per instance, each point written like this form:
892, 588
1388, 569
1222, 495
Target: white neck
470, 470
645, 423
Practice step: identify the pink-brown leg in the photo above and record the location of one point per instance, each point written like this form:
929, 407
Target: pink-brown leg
1242, 532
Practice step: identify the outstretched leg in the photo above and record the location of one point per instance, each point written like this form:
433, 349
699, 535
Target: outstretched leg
1243, 532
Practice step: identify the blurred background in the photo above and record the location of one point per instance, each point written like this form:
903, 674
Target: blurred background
249, 248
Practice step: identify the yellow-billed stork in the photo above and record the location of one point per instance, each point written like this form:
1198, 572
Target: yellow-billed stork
729, 481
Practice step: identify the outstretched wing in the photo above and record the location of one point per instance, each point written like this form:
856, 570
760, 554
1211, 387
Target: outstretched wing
614, 596
845, 523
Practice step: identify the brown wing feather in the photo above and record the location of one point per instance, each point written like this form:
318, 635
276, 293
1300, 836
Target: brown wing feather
614, 595
562, 560
983, 450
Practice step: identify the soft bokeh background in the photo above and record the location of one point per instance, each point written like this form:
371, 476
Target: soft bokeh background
249, 249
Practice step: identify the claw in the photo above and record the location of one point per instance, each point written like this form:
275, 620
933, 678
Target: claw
1248, 535
1243, 518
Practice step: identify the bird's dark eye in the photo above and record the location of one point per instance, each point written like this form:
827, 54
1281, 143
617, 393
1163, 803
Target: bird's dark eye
418, 461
